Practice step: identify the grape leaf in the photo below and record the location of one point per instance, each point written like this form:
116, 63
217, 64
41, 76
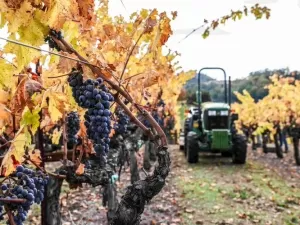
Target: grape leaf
32, 87
6, 78
57, 105
35, 38
46, 123
86, 8
65, 65
14, 22
56, 136
23, 55
80, 169
15, 154
31, 119
18, 101
5, 115
35, 156
4, 96
59, 12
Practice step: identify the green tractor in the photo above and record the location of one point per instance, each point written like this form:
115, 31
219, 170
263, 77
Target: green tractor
211, 128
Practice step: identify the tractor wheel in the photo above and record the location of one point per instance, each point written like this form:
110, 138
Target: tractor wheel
226, 154
296, 150
239, 149
192, 148
185, 145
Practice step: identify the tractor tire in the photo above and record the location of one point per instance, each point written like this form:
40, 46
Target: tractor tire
185, 145
296, 150
239, 153
226, 154
192, 147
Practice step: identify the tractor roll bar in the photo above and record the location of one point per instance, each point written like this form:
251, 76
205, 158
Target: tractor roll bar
213, 68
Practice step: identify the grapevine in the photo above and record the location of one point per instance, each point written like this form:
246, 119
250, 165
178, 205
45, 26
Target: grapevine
70, 101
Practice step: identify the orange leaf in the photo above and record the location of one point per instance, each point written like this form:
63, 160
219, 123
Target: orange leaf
86, 8
80, 169
112, 132
18, 102
35, 156
82, 129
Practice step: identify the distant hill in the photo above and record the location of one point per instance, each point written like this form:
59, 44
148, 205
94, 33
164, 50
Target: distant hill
254, 84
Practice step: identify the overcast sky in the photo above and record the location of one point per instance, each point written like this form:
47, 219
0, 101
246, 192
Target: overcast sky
239, 47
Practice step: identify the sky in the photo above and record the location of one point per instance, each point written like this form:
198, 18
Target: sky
239, 47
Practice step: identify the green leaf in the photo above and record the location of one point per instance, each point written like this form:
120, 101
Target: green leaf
31, 118
6, 75
240, 15
23, 55
35, 38
206, 33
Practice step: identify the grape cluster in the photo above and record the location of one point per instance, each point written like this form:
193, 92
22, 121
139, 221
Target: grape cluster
30, 186
51, 42
73, 125
94, 96
122, 123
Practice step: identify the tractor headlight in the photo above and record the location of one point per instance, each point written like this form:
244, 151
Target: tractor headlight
212, 113
224, 113
195, 124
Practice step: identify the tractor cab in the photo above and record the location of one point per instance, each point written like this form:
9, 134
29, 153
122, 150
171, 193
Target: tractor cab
215, 116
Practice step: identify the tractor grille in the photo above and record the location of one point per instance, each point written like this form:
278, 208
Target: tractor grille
220, 139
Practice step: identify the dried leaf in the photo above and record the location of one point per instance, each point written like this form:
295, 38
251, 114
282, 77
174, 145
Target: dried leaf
35, 156
86, 8
18, 101
80, 169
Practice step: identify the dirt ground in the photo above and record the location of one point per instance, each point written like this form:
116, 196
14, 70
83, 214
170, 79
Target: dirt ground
265, 191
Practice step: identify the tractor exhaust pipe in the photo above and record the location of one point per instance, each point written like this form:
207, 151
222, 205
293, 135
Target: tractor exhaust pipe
225, 89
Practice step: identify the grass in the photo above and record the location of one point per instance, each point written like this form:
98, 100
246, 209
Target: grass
218, 191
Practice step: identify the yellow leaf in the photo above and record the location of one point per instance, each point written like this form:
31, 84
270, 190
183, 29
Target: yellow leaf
23, 55
14, 22
4, 115
56, 136
31, 118
4, 96
144, 13
58, 103
35, 38
35, 156
6, 75
15, 154
59, 13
